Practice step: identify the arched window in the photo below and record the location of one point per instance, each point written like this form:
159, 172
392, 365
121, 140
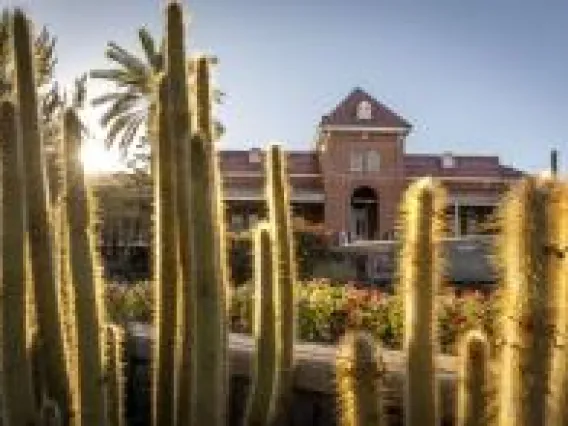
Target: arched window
364, 110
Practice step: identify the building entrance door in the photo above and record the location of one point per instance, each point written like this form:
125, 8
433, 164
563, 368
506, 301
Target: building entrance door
363, 214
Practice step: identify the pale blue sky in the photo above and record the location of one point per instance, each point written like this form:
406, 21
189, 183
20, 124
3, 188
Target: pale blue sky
474, 77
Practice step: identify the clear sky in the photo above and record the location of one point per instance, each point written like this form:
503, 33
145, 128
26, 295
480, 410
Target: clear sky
473, 77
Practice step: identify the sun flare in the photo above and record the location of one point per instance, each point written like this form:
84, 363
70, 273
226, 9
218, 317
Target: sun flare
97, 159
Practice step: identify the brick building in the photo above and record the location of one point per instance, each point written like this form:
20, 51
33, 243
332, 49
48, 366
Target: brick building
351, 182
354, 178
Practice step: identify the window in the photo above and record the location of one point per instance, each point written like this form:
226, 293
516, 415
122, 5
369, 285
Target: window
364, 110
448, 160
373, 161
356, 163
365, 161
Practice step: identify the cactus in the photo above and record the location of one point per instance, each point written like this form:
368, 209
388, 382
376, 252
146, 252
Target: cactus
165, 319
50, 333
264, 328
209, 271
473, 386
115, 411
558, 414
358, 372
179, 124
529, 228
86, 282
284, 275
16, 364
420, 272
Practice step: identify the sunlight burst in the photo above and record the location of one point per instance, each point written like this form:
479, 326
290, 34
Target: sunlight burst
97, 159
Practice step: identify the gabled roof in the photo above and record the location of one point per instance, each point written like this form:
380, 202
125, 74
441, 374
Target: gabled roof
345, 114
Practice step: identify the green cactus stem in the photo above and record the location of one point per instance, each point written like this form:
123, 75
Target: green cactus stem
115, 389
525, 258
558, 414
86, 282
420, 275
18, 397
284, 275
473, 380
50, 333
165, 261
264, 328
209, 276
180, 134
358, 373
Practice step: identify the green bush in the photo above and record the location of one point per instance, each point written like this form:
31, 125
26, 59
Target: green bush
325, 311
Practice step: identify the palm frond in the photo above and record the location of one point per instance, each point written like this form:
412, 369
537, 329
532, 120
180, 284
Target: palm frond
153, 56
118, 125
118, 107
126, 59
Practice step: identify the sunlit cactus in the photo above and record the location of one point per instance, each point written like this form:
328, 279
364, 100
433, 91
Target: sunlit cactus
115, 388
284, 276
358, 373
16, 384
165, 269
265, 301
84, 274
180, 133
473, 380
208, 274
420, 275
47, 302
558, 404
527, 246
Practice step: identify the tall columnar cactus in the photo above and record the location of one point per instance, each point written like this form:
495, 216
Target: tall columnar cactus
420, 275
180, 133
85, 279
50, 333
208, 267
115, 389
284, 276
18, 397
473, 380
525, 255
558, 258
358, 371
265, 301
165, 269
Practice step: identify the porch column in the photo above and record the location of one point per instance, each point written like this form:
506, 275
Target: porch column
456, 218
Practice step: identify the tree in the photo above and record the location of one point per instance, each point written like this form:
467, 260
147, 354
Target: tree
129, 102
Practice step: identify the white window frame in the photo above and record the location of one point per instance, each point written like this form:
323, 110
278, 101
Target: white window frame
364, 110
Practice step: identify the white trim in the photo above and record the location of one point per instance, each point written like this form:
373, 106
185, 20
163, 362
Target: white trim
465, 178
230, 175
355, 128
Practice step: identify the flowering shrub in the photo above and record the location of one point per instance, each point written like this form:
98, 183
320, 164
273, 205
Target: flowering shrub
325, 311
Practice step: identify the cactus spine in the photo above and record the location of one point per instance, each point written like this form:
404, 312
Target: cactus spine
209, 349
472, 409
528, 228
165, 319
179, 132
18, 394
264, 328
284, 273
420, 273
50, 333
115, 414
85, 280
358, 372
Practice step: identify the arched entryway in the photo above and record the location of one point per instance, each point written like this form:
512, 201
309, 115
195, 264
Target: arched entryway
364, 209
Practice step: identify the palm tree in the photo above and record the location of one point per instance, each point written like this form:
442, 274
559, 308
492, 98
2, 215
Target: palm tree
128, 105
